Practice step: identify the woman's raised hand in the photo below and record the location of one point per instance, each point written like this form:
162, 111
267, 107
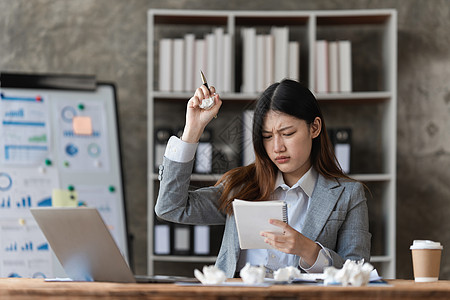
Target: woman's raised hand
196, 117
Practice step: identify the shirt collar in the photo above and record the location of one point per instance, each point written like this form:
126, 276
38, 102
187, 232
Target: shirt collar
307, 182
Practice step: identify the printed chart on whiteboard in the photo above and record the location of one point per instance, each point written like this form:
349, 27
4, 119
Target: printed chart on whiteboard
58, 147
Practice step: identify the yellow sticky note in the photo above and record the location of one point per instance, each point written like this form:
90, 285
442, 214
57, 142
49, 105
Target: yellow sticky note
82, 125
63, 197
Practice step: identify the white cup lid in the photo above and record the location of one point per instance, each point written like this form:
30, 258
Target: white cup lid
425, 244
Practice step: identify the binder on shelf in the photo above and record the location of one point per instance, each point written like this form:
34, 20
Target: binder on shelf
281, 52
227, 64
180, 60
269, 60
216, 234
161, 237
333, 67
341, 139
219, 57
181, 239
165, 65
189, 70
178, 65
202, 244
321, 85
211, 58
204, 154
345, 66
248, 60
199, 61
294, 60
162, 135
260, 59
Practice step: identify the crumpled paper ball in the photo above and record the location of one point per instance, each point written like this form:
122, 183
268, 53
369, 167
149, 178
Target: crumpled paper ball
252, 274
355, 273
211, 275
286, 274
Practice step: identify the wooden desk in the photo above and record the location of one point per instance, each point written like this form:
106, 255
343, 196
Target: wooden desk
21, 288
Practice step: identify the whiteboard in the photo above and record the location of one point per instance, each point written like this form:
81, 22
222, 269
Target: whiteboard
56, 140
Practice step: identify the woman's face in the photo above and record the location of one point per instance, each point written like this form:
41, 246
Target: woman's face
288, 142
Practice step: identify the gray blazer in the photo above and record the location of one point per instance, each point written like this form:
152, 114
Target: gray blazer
337, 215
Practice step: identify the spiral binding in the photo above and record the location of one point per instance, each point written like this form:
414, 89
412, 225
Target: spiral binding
285, 215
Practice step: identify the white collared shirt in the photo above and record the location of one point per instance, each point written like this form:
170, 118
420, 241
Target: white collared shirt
297, 198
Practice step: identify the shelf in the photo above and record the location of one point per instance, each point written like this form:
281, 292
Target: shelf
185, 96
356, 96
184, 258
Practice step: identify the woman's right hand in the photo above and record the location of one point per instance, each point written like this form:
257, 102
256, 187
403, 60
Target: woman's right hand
196, 117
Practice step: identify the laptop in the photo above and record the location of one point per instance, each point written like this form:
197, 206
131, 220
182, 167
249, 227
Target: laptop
86, 249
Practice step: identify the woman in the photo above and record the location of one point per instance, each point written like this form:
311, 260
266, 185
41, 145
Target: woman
327, 211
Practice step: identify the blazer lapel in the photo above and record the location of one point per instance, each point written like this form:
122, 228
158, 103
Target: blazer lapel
323, 200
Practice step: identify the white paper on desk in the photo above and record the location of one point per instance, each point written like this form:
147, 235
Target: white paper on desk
321, 276
58, 279
252, 217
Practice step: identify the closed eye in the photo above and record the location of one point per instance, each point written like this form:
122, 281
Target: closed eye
289, 133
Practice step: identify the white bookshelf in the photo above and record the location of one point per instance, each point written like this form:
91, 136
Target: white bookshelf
378, 170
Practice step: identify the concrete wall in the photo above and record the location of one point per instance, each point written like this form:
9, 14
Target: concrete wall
108, 38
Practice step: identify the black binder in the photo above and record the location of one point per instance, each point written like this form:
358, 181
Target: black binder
341, 139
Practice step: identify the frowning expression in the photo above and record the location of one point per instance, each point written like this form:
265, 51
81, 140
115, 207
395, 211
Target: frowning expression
288, 142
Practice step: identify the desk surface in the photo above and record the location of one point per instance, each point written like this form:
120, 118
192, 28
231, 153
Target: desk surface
22, 288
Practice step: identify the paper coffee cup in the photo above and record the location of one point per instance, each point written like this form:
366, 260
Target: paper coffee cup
426, 257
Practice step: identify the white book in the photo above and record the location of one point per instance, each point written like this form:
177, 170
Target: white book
281, 52
211, 59
294, 60
189, 55
199, 62
333, 67
181, 239
321, 85
227, 64
219, 61
249, 60
345, 66
260, 65
161, 239
342, 152
248, 152
201, 240
165, 65
203, 158
178, 65
252, 217
269, 60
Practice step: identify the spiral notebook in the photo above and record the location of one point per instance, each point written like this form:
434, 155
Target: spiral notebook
252, 217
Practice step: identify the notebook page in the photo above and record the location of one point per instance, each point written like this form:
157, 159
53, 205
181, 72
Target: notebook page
252, 217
